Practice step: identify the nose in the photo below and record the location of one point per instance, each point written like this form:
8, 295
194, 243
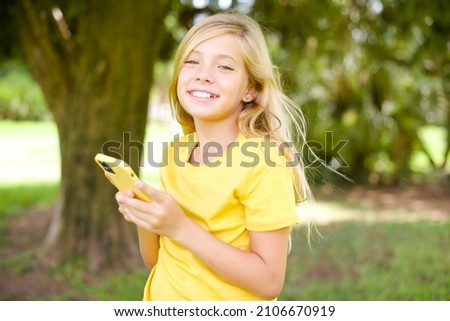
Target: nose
203, 79
204, 76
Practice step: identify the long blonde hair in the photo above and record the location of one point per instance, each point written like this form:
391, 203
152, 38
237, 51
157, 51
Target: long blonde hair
272, 113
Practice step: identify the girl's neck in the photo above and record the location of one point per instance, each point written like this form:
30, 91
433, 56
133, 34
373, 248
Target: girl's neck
224, 135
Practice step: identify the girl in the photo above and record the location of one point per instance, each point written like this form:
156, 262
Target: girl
219, 228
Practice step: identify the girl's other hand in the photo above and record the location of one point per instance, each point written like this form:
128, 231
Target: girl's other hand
120, 197
162, 216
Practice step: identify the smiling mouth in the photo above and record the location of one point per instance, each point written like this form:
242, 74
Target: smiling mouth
202, 94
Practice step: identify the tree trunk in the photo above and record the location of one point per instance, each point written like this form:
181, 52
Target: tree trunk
94, 61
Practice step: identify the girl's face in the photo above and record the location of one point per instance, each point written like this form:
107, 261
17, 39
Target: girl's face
213, 81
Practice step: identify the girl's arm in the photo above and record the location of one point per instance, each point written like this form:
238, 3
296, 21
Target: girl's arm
148, 241
148, 246
260, 270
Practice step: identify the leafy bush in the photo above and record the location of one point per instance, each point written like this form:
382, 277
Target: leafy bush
20, 96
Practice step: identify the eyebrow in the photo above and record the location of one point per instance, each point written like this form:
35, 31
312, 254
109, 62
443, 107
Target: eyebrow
218, 55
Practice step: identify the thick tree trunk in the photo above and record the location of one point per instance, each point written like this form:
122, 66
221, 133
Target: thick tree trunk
95, 71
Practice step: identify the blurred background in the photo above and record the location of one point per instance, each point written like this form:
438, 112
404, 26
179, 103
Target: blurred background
371, 76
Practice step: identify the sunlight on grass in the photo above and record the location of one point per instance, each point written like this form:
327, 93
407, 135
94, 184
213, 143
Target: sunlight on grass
324, 212
29, 152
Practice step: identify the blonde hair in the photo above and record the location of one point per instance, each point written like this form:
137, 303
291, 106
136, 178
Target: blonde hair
272, 113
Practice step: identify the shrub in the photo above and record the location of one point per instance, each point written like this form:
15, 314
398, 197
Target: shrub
21, 97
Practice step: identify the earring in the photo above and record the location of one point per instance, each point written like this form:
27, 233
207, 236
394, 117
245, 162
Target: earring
247, 98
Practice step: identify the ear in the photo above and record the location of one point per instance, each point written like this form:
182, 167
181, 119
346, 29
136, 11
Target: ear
250, 94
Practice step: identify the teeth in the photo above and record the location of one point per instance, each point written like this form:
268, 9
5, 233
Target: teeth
202, 94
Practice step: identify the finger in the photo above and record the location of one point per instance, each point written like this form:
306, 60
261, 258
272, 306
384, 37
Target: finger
129, 193
123, 194
139, 219
127, 215
149, 190
121, 198
124, 197
125, 201
122, 209
137, 205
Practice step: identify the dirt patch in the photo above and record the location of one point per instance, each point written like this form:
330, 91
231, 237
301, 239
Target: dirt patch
25, 232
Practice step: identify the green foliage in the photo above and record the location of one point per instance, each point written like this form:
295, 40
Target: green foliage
369, 75
20, 96
9, 40
433, 141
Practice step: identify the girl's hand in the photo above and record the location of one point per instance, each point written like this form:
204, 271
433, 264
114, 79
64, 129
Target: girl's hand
122, 206
162, 216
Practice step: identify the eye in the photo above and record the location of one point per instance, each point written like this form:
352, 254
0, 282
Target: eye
225, 67
191, 62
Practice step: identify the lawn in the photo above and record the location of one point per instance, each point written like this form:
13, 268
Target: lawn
376, 245
373, 261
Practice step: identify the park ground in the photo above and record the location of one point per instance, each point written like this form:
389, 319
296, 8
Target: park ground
26, 230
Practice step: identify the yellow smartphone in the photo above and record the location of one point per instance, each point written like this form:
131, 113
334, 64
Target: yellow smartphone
121, 175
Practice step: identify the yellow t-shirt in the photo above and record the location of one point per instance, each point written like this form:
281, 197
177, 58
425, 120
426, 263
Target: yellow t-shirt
247, 188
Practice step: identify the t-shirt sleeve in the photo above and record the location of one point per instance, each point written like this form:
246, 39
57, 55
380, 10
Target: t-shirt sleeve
269, 198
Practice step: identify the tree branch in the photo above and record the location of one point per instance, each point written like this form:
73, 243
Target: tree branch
64, 35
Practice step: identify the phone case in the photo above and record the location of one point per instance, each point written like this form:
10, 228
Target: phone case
120, 174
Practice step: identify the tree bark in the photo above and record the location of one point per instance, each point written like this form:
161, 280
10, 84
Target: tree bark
94, 61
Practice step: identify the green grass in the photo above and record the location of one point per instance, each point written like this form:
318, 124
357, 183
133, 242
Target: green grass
355, 261
382, 261
15, 198
119, 286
